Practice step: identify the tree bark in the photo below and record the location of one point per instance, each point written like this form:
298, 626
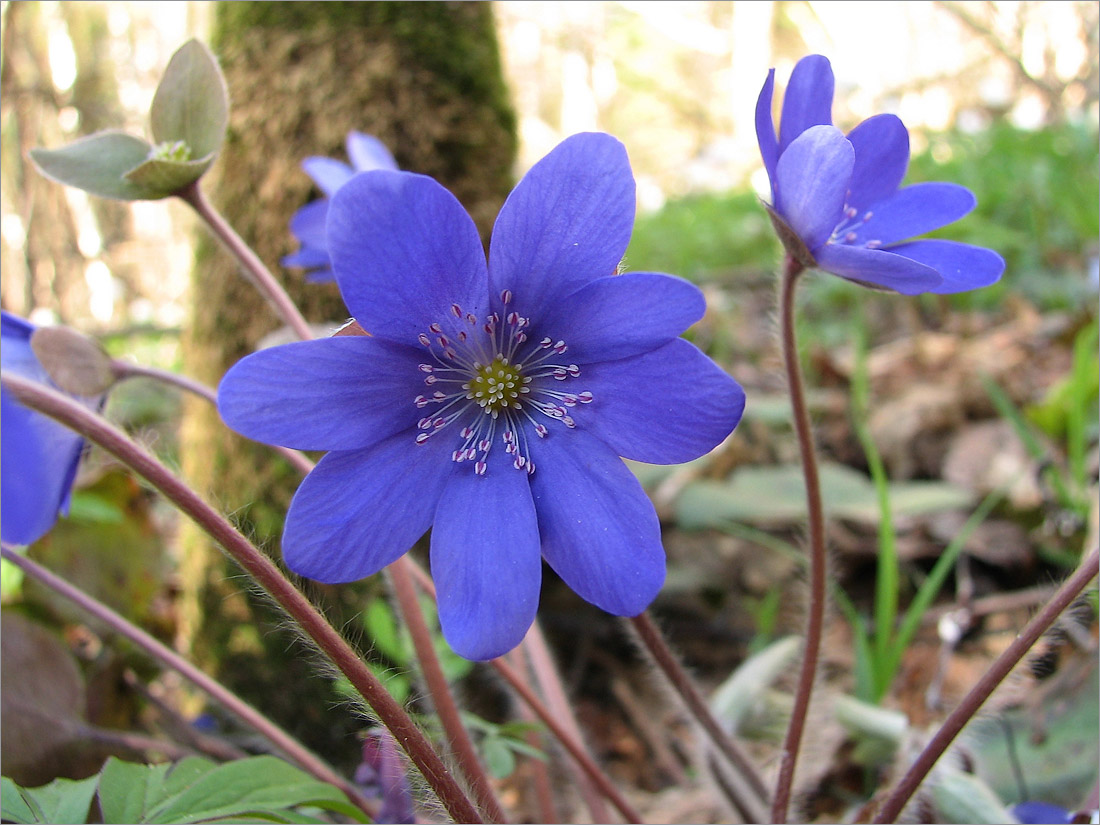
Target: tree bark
426, 79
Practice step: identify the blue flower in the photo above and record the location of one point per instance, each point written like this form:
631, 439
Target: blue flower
1041, 813
382, 775
365, 152
40, 456
839, 195
491, 402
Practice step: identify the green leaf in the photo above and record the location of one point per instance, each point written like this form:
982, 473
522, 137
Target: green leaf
499, 757
381, 627
63, 800
776, 495
196, 790
166, 177
739, 696
128, 790
963, 797
93, 509
1053, 734
191, 103
258, 785
98, 164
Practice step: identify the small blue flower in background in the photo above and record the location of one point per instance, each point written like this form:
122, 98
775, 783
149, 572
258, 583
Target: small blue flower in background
491, 402
40, 456
840, 194
1041, 813
382, 774
365, 152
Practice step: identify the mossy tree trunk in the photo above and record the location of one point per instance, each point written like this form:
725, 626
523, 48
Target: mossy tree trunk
426, 79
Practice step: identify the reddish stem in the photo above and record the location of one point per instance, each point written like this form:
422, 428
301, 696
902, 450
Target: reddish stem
993, 677
440, 691
254, 268
815, 619
282, 740
265, 573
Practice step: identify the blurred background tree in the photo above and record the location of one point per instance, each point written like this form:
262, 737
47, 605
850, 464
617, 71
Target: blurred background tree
425, 78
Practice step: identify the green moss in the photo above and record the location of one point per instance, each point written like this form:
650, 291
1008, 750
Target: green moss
425, 79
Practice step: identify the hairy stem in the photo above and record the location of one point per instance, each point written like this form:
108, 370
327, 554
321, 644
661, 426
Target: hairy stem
560, 722
442, 699
815, 619
247, 714
123, 370
265, 573
985, 686
549, 682
696, 705
254, 268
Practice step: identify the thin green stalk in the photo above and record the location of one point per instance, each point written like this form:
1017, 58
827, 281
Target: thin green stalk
998, 671
254, 268
1082, 376
887, 575
264, 572
1008, 410
866, 683
442, 698
930, 587
815, 618
282, 740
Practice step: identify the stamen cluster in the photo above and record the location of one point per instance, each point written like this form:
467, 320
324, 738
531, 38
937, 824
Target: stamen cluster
493, 378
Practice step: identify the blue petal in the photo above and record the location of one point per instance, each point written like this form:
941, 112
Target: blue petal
40, 459
308, 257
359, 510
621, 315
15, 328
913, 211
882, 159
765, 129
308, 223
404, 251
599, 530
366, 152
40, 456
961, 265
812, 181
808, 100
327, 173
566, 223
485, 559
878, 267
1041, 812
339, 393
665, 407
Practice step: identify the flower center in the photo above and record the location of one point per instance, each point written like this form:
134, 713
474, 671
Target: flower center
492, 381
497, 386
850, 229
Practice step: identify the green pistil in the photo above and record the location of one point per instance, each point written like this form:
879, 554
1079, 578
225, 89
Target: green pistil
497, 386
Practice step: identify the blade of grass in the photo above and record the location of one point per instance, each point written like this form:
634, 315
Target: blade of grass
886, 571
1008, 410
1083, 376
930, 587
861, 642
